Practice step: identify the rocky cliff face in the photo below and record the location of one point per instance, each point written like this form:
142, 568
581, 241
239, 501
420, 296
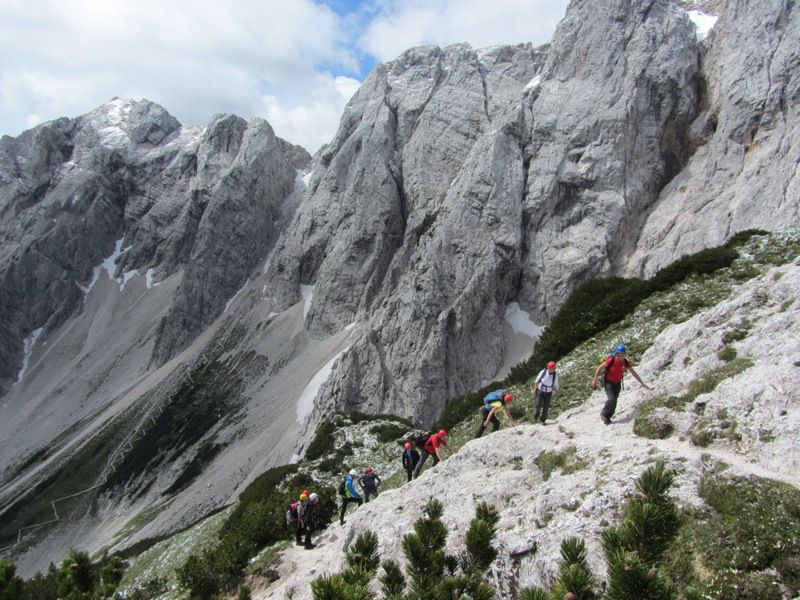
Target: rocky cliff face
172, 196
461, 181
745, 139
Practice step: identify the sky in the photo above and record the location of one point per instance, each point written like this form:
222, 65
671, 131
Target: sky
294, 62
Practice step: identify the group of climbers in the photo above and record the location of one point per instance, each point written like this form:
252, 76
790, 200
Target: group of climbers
416, 451
368, 482
304, 516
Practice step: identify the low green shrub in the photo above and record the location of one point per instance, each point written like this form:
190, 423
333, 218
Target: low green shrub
388, 432
744, 544
653, 427
727, 354
323, 442
566, 460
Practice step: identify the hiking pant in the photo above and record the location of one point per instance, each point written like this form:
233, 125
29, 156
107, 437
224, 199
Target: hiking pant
542, 405
494, 421
345, 502
422, 459
370, 492
410, 473
612, 393
300, 531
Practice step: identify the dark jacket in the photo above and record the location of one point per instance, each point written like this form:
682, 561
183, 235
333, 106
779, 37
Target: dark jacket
410, 458
369, 481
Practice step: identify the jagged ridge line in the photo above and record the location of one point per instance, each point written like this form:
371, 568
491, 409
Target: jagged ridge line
156, 404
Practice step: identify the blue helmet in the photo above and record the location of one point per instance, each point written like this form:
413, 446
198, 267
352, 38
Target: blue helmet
621, 349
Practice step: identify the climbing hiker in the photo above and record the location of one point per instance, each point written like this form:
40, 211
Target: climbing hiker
493, 402
348, 493
307, 513
369, 482
432, 447
544, 388
613, 368
410, 459
304, 522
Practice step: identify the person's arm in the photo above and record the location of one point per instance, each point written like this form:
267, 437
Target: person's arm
489, 416
352, 489
639, 379
596, 373
378, 480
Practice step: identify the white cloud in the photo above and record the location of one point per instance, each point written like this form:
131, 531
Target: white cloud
402, 24
291, 62
66, 57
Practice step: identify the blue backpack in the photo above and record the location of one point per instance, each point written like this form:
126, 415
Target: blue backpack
494, 396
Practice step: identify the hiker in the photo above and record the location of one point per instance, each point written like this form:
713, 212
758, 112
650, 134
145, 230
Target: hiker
492, 403
410, 459
544, 388
432, 447
348, 493
369, 482
613, 368
304, 516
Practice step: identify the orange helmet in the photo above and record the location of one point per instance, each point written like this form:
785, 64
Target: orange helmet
551, 366
407, 445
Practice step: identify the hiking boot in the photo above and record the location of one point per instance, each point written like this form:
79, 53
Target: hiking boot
310, 546
605, 420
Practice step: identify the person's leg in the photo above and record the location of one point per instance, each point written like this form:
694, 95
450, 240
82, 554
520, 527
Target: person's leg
341, 512
495, 422
482, 428
410, 474
538, 406
423, 457
298, 532
435, 459
612, 391
546, 397
308, 545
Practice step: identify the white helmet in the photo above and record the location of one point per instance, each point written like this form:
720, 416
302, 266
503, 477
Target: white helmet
313, 497
353, 472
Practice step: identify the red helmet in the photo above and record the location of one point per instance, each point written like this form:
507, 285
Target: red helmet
306, 492
407, 445
442, 433
368, 470
508, 398
551, 366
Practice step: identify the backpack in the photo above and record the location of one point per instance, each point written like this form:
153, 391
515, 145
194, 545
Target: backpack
613, 357
495, 396
552, 380
291, 513
342, 490
420, 440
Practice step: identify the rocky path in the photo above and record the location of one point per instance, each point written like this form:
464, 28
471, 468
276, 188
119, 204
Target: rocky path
589, 432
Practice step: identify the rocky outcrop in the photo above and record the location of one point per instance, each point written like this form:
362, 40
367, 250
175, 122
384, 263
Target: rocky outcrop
461, 181
744, 173
128, 181
539, 509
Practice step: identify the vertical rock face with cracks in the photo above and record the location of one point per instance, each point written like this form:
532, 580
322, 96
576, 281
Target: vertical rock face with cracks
463, 180
128, 181
744, 173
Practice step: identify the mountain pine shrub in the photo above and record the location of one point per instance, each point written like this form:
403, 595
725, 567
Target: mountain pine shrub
11, 586
433, 574
575, 578
635, 548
